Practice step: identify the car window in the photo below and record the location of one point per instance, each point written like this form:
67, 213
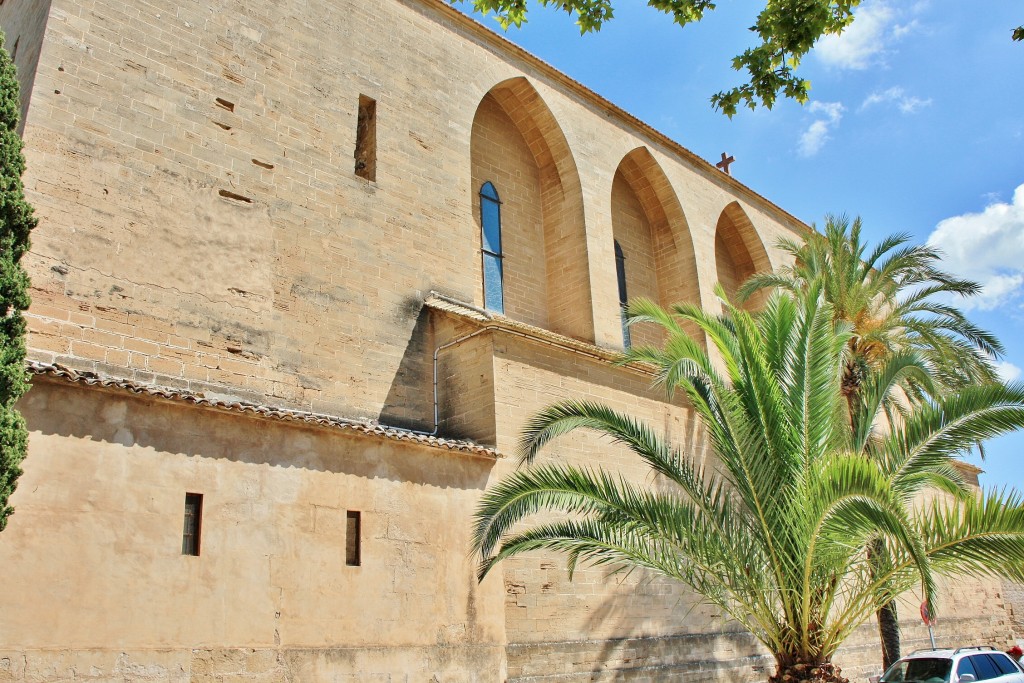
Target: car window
923, 670
965, 667
984, 666
1002, 663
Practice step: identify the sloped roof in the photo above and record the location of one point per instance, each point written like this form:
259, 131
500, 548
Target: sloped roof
365, 427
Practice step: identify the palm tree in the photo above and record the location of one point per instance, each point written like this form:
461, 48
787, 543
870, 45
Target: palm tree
777, 536
895, 298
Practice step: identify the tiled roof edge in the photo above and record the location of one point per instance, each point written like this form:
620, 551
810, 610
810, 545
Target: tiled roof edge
368, 428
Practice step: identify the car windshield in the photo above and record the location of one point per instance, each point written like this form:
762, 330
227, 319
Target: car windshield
923, 670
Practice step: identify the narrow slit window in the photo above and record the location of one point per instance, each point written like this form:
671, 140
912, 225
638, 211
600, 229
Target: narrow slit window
352, 539
490, 239
366, 139
620, 273
193, 524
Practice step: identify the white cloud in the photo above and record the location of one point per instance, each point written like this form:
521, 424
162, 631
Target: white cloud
856, 47
817, 134
900, 30
833, 110
987, 247
813, 139
1008, 372
907, 104
876, 25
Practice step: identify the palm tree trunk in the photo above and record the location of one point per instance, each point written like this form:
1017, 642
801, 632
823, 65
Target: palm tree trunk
889, 634
807, 672
888, 620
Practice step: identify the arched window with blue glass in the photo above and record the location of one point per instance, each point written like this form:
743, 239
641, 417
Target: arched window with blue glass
490, 239
620, 273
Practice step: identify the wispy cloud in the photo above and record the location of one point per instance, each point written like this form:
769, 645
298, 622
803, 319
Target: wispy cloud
876, 25
987, 247
817, 134
896, 96
1008, 372
900, 30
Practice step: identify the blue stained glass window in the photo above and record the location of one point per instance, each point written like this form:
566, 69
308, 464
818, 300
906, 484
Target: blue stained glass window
492, 283
490, 239
620, 273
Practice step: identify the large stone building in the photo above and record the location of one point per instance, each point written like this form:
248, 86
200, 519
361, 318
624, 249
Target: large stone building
260, 314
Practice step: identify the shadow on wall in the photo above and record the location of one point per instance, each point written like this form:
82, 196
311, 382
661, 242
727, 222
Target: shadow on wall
154, 427
725, 655
410, 403
696, 640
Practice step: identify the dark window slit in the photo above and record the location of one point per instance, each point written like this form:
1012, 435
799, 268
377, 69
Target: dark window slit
237, 197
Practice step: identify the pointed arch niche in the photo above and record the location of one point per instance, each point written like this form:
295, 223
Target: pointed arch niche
518, 147
650, 228
739, 253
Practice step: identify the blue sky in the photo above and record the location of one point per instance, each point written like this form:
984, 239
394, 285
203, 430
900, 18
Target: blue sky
915, 124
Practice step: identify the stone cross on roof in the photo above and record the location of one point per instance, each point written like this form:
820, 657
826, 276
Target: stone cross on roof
724, 163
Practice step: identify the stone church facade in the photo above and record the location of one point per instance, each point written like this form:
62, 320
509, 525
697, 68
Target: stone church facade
303, 270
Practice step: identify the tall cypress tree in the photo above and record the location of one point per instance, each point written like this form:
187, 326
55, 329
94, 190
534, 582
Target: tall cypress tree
16, 221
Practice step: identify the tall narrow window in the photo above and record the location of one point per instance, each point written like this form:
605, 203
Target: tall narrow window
193, 524
490, 238
366, 138
620, 273
352, 544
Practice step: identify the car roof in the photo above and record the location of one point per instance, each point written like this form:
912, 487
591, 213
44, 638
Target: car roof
940, 653
949, 653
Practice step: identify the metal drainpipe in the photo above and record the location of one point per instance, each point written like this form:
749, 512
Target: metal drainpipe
437, 351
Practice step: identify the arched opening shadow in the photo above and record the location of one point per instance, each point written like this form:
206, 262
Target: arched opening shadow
739, 253
649, 224
518, 146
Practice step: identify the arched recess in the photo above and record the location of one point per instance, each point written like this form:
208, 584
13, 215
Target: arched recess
518, 146
739, 253
649, 225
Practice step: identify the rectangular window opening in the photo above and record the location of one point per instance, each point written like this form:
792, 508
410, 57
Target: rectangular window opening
193, 524
352, 539
366, 139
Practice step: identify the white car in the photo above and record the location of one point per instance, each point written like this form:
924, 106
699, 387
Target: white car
963, 665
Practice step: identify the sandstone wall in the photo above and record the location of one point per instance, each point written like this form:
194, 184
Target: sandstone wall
103, 589
202, 224
1013, 593
23, 28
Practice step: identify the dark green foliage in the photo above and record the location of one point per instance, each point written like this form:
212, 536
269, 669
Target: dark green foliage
16, 221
